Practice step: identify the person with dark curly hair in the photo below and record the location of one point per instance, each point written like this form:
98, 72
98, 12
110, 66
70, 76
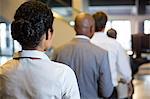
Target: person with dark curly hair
30, 74
112, 33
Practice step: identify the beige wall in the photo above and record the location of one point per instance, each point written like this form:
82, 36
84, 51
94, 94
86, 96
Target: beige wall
8, 8
62, 32
0, 7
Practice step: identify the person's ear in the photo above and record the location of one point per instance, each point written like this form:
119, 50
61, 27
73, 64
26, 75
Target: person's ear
92, 30
49, 34
48, 40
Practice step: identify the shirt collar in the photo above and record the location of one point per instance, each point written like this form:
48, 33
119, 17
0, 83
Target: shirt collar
32, 54
100, 34
82, 36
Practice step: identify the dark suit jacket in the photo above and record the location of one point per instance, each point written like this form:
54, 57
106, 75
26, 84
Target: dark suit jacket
91, 67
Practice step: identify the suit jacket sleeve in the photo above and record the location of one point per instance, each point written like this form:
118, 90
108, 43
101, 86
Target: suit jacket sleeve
105, 81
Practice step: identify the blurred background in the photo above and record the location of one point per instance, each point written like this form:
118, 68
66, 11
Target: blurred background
130, 18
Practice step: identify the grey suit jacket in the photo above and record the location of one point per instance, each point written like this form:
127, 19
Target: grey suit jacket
91, 67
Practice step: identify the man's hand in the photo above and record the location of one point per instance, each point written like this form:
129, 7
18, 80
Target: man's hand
130, 89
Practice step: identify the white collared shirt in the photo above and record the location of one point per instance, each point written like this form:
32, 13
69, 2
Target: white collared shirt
118, 59
36, 78
82, 36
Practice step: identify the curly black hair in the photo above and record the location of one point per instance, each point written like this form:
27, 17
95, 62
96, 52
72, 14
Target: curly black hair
112, 33
31, 21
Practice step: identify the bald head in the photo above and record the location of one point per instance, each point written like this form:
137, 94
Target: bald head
84, 24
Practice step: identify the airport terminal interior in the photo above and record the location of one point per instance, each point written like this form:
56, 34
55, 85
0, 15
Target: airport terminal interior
130, 18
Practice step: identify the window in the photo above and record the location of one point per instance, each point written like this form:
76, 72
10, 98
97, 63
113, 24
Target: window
6, 42
147, 27
123, 28
7, 45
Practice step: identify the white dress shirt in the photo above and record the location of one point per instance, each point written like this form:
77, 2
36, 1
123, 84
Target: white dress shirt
118, 59
31, 75
82, 36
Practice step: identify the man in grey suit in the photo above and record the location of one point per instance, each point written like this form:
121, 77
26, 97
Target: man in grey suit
89, 62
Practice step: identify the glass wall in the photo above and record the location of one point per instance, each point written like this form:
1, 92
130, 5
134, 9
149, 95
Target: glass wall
7, 45
123, 28
147, 27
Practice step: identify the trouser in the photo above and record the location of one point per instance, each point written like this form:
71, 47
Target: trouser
114, 94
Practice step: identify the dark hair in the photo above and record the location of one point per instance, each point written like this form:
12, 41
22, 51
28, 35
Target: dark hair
31, 21
100, 20
112, 33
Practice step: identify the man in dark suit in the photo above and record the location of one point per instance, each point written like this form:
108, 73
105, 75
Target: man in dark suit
89, 62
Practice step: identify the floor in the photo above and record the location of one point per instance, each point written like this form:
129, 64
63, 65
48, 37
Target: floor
142, 83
